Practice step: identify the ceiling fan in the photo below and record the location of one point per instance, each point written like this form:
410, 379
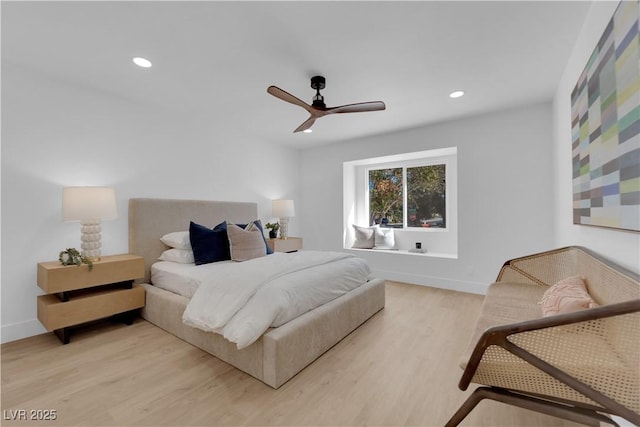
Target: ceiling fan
318, 108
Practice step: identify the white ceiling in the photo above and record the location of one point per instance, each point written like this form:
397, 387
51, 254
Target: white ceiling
215, 60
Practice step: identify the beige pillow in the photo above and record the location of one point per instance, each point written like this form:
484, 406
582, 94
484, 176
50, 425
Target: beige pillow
567, 295
245, 244
364, 237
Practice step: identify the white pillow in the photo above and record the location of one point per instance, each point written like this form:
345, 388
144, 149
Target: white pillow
182, 256
364, 237
177, 239
384, 238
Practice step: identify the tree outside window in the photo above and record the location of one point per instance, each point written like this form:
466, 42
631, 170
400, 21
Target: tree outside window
385, 197
424, 205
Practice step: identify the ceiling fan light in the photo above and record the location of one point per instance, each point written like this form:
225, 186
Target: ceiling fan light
456, 94
307, 130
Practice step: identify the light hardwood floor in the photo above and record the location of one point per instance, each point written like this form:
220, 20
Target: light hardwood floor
399, 368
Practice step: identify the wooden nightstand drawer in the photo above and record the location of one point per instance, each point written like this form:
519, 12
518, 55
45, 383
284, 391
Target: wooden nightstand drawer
56, 314
54, 277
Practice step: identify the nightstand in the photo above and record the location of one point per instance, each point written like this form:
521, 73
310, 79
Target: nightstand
76, 295
290, 244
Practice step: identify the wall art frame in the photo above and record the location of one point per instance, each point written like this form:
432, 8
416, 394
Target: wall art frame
605, 127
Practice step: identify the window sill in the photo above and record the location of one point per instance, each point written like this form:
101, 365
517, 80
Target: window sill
406, 252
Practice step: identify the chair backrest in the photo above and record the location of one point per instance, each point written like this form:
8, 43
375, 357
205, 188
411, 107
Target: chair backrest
607, 282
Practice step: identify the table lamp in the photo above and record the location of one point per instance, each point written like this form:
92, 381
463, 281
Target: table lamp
283, 209
89, 206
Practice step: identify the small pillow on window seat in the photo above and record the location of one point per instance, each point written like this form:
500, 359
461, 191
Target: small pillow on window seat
567, 295
364, 237
384, 238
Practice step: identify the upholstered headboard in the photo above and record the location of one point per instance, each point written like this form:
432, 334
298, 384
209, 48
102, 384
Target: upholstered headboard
150, 219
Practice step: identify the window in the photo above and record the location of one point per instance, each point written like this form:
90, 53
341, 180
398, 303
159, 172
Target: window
386, 197
414, 193
406, 197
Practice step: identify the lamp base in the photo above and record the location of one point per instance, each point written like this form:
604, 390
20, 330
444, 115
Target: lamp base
91, 239
284, 228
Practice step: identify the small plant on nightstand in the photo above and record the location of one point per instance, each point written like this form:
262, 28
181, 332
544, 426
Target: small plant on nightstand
273, 229
71, 256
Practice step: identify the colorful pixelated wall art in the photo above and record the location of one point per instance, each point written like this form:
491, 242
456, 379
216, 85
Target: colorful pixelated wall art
605, 124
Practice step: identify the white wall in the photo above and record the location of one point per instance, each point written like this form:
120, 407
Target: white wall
504, 194
620, 246
56, 134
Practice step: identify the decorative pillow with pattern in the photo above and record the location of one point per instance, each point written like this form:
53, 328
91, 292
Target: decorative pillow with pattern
567, 295
258, 223
246, 244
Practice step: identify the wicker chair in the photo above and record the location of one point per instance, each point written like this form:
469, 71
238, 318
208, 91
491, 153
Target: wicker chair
580, 366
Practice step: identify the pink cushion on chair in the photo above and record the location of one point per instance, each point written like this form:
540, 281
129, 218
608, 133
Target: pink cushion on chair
567, 295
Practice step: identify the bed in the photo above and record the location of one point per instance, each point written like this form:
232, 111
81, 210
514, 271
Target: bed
281, 352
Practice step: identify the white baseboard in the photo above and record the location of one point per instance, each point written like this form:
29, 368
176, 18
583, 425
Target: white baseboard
434, 282
17, 331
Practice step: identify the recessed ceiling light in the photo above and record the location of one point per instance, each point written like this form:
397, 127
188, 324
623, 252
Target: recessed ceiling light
456, 94
142, 62
307, 130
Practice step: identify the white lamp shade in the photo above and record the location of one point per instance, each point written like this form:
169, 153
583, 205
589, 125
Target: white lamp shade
89, 203
283, 208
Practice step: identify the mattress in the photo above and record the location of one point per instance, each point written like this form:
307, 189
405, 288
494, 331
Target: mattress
183, 279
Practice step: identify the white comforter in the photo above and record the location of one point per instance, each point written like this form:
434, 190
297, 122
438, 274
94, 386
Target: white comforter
242, 303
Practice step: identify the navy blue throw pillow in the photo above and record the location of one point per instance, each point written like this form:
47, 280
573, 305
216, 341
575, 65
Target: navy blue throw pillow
258, 224
209, 245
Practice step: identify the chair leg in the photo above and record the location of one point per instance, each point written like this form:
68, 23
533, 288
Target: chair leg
583, 416
468, 405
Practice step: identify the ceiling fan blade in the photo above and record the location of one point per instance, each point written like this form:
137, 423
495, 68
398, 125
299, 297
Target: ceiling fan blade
306, 125
357, 108
286, 96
